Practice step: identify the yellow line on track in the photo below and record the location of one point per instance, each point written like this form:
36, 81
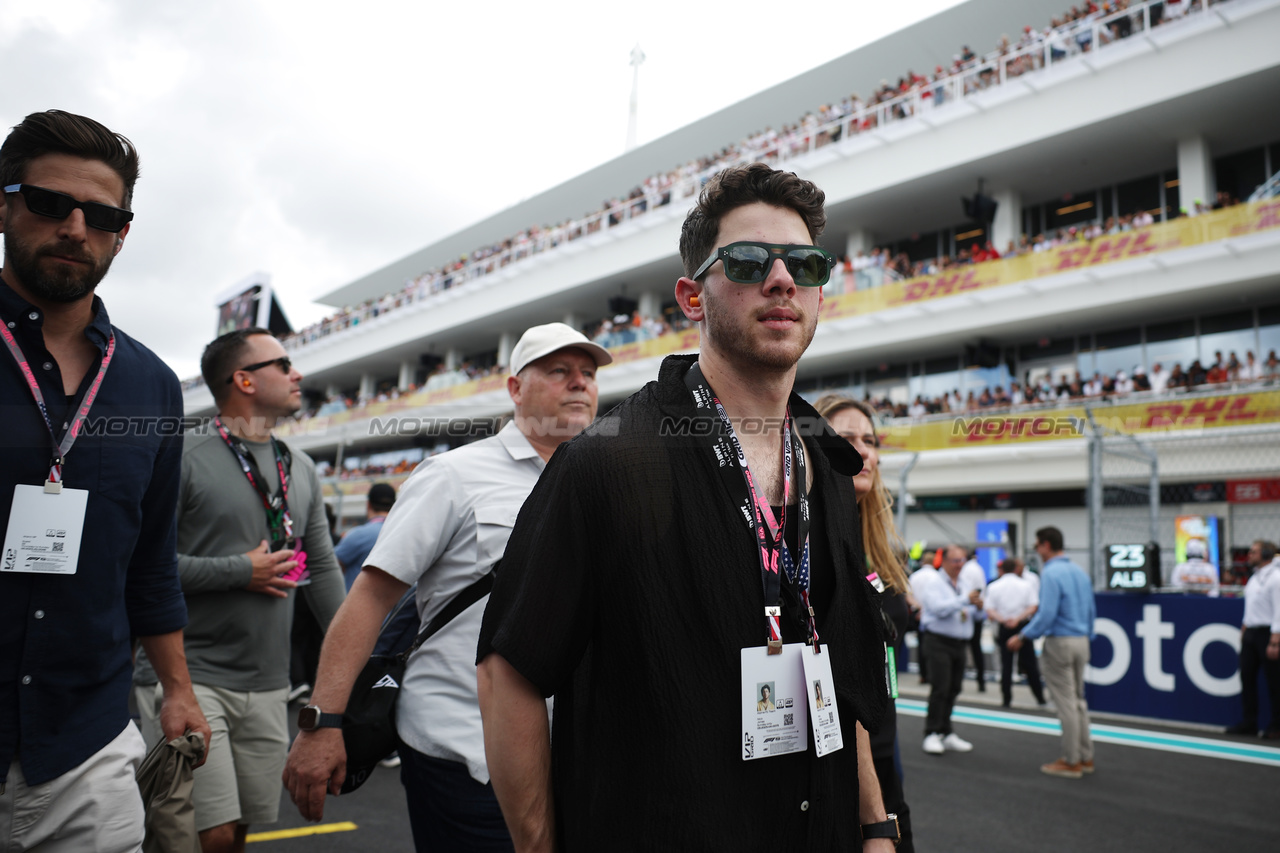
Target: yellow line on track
301, 831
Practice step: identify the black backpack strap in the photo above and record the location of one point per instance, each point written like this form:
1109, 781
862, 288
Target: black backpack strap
469, 596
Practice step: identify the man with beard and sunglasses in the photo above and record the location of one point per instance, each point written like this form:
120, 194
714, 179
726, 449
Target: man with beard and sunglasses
695, 543
89, 558
252, 535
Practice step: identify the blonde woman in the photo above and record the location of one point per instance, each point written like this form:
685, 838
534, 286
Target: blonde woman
855, 421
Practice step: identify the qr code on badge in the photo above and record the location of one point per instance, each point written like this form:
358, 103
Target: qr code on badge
788, 719
57, 547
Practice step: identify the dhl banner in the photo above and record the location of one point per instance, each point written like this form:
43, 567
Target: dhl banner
1178, 234
979, 429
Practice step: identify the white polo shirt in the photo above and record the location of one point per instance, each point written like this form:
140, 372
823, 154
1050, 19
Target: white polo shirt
450, 523
1009, 596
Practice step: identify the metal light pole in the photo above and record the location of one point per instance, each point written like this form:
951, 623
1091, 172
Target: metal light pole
637, 57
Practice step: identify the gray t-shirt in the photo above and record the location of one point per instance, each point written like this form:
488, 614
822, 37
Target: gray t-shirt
237, 639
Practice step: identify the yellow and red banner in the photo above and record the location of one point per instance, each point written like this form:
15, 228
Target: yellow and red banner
1166, 236
980, 429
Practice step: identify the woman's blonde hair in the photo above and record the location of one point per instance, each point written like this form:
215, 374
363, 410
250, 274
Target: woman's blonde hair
880, 539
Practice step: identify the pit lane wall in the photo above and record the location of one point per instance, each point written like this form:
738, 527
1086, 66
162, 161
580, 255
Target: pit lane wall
1168, 657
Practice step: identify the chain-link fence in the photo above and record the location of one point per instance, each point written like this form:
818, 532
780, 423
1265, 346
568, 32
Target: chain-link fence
1140, 485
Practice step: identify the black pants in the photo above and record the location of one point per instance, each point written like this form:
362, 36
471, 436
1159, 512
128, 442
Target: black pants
946, 674
1026, 659
1253, 657
895, 802
979, 661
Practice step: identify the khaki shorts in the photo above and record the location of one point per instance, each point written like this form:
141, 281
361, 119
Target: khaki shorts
240, 783
94, 806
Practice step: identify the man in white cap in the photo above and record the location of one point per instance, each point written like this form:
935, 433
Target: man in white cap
448, 528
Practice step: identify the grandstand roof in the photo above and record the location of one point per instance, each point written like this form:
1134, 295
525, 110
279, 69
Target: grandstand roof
920, 47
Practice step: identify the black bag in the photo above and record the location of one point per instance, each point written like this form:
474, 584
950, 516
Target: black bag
369, 723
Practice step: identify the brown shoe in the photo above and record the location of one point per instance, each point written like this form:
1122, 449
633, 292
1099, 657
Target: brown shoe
1063, 769
1086, 766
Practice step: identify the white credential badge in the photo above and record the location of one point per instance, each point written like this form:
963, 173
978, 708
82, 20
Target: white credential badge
44, 532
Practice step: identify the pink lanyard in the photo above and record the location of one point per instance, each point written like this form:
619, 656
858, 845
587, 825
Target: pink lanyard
61, 449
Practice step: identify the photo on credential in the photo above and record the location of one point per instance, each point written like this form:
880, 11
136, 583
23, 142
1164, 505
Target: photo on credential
765, 691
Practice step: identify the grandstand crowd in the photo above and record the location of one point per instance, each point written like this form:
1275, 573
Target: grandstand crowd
1067, 35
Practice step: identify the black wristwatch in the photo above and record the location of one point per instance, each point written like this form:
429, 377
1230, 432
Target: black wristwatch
884, 829
311, 718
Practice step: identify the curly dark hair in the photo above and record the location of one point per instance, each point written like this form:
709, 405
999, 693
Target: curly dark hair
740, 185
59, 132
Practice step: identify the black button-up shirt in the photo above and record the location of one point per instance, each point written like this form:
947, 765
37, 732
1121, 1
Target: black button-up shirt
65, 664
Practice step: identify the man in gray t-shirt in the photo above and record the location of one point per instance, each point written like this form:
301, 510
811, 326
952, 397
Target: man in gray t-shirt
247, 544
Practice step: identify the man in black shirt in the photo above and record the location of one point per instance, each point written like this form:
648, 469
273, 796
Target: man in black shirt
637, 567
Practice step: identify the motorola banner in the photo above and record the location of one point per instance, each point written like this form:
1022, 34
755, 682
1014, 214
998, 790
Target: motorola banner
1172, 657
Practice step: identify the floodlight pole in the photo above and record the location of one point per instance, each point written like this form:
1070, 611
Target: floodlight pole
637, 57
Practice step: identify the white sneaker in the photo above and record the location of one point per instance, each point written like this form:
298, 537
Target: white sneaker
933, 744
391, 761
955, 743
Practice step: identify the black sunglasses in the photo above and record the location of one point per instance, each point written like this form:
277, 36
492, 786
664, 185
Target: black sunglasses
749, 263
283, 361
45, 202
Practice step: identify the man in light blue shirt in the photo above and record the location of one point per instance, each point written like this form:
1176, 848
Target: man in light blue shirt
947, 614
1065, 619
358, 542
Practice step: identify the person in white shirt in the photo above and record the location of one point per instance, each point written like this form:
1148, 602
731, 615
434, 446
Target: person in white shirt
1159, 378
1124, 385
448, 528
1196, 573
1011, 601
946, 618
1260, 641
973, 576
1250, 370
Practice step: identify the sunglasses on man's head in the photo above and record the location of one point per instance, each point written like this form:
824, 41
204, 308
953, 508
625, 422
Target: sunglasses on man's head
282, 362
55, 205
749, 262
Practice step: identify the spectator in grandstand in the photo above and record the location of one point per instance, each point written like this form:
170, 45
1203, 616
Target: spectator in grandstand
1177, 379
1217, 372
1196, 374
1271, 368
358, 542
446, 532
1196, 573
1141, 382
1250, 371
855, 422
1011, 601
1065, 618
1123, 384
1260, 640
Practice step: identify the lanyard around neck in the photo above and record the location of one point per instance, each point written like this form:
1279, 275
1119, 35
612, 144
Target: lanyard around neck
277, 506
60, 448
756, 512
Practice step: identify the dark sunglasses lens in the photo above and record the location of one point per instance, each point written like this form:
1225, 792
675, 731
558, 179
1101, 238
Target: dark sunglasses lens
747, 264
105, 218
59, 206
285, 364
808, 267
48, 203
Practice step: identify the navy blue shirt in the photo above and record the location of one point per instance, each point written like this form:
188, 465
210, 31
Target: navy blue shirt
65, 640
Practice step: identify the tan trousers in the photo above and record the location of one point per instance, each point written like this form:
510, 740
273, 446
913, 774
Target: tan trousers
1062, 664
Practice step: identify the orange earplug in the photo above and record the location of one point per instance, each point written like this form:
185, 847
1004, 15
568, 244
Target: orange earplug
695, 301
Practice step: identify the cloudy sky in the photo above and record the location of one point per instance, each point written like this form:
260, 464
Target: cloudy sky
318, 141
